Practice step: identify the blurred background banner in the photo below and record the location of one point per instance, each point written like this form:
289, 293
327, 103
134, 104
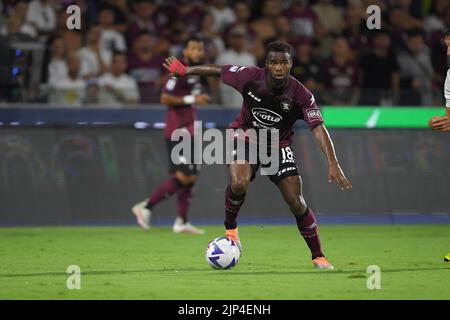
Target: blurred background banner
211, 116
93, 174
81, 119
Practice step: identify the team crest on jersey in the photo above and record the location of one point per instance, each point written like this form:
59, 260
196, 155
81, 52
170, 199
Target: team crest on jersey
285, 106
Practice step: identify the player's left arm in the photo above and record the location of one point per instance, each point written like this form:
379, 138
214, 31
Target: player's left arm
177, 69
313, 117
335, 172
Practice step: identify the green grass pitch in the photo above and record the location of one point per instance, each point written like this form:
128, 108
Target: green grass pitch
128, 263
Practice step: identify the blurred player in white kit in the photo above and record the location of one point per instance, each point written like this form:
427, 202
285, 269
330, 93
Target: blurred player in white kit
443, 123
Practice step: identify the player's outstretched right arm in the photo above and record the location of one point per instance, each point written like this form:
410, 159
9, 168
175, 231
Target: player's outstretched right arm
177, 69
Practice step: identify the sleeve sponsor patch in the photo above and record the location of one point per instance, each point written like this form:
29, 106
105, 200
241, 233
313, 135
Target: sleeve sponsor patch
314, 114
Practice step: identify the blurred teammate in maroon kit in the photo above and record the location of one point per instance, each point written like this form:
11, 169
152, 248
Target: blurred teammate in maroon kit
272, 91
181, 95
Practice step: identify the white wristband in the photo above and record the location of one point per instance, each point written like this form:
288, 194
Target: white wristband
189, 99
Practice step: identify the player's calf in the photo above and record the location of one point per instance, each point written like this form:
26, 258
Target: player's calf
297, 205
307, 225
233, 203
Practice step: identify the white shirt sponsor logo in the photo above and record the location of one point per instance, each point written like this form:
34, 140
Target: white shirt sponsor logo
265, 116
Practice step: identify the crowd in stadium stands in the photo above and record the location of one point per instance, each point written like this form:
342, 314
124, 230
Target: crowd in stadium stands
116, 58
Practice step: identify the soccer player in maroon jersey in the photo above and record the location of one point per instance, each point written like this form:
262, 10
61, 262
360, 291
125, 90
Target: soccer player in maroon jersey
272, 90
180, 95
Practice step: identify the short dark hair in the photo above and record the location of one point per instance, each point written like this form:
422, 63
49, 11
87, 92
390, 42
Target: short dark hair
279, 46
195, 38
447, 33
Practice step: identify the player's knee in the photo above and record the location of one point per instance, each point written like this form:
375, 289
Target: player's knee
239, 185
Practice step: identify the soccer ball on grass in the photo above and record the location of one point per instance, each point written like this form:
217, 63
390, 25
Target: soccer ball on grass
222, 253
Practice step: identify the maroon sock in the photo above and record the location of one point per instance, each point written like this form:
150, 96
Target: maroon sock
184, 196
307, 225
233, 203
165, 190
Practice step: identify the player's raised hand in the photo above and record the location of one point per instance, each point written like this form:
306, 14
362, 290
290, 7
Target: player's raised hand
174, 66
336, 174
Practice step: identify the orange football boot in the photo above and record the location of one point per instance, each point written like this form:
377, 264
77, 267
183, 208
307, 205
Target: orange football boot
322, 263
233, 234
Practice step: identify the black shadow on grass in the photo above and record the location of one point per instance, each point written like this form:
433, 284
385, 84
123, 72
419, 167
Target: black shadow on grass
209, 272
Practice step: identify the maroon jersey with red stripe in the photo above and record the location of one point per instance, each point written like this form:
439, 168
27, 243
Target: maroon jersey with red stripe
181, 116
263, 109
